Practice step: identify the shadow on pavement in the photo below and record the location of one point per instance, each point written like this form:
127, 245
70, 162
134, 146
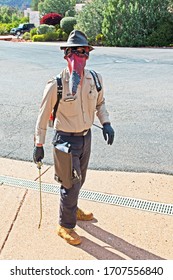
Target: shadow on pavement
113, 243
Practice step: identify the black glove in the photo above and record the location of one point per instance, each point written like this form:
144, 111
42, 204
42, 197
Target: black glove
38, 154
108, 133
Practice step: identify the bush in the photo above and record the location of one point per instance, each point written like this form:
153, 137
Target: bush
131, 23
162, 36
33, 32
57, 26
24, 19
67, 24
26, 36
99, 39
90, 18
61, 35
45, 28
51, 19
53, 36
3, 29
70, 13
38, 38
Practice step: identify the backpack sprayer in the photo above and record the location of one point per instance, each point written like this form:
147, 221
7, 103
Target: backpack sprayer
51, 121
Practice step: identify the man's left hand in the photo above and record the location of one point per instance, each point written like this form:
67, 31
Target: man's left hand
108, 133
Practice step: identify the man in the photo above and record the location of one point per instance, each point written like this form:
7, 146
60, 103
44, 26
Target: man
74, 118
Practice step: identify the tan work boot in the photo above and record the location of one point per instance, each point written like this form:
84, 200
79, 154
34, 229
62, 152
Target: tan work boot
69, 235
84, 215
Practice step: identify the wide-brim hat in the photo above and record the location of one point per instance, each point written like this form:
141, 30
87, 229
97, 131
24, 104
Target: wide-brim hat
76, 39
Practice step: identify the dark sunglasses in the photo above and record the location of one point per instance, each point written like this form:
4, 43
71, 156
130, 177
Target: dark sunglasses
79, 51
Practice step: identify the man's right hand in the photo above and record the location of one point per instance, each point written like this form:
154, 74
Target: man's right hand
38, 154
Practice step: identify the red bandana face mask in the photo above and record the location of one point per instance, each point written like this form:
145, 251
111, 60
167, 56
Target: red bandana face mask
76, 58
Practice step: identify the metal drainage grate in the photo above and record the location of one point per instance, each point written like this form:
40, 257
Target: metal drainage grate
151, 206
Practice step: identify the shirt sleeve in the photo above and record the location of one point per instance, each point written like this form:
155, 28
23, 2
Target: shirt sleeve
102, 112
48, 102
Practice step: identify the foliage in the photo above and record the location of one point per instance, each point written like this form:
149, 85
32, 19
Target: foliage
24, 20
99, 39
130, 23
162, 36
33, 32
38, 38
89, 20
6, 18
26, 36
3, 29
9, 14
70, 13
52, 36
6, 27
62, 36
67, 24
51, 19
34, 4
45, 28
56, 6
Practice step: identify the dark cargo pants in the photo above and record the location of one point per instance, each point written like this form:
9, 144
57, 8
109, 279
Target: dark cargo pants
80, 149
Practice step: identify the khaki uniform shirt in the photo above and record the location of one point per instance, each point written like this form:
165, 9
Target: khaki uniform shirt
72, 116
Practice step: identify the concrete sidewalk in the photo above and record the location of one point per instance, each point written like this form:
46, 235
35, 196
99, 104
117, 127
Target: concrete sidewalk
116, 233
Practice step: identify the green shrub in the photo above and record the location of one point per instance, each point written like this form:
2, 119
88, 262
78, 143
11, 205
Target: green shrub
15, 18
162, 36
26, 36
61, 35
90, 18
64, 36
132, 23
45, 28
33, 32
57, 26
3, 29
6, 18
24, 19
52, 36
51, 29
67, 24
15, 24
38, 38
70, 13
99, 39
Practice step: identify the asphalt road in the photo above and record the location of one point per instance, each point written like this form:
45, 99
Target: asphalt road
139, 96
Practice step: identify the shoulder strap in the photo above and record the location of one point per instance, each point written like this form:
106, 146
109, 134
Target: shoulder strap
59, 95
59, 89
96, 80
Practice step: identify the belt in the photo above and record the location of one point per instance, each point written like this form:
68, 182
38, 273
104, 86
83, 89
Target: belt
83, 133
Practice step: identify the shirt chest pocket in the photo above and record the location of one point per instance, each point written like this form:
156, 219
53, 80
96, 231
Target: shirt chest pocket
68, 108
